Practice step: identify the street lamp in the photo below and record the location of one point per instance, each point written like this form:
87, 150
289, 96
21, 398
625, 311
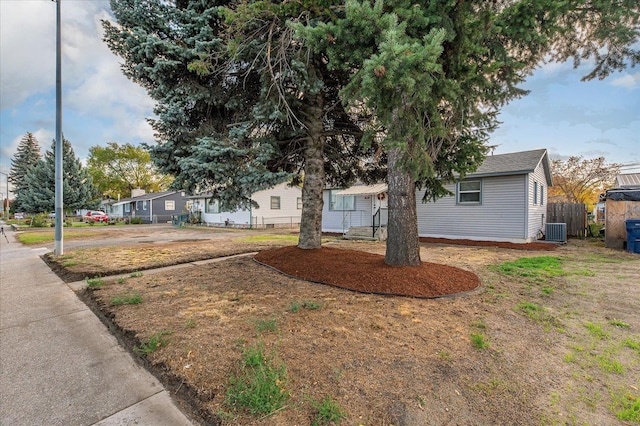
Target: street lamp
5, 210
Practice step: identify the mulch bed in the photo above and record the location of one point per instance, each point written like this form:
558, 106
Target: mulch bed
367, 272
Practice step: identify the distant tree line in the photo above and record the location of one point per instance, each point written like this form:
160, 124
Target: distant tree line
111, 172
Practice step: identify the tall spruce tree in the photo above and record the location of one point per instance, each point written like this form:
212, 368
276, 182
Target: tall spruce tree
435, 74
27, 156
78, 189
241, 104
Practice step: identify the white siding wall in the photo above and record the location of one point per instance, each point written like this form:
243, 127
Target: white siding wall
288, 212
537, 213
239, 217
500, 217
341, 221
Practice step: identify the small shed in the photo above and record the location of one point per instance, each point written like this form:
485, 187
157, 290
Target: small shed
621, 204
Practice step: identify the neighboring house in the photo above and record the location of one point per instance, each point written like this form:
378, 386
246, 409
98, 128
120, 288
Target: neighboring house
622, 203
279, 206
627, 181
504, 200
352, 210
155, 207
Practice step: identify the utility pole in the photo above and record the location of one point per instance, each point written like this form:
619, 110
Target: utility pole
58, 249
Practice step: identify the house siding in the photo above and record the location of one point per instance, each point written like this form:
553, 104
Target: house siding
288, 214
341, 220
499, 217
262, 216
536, 212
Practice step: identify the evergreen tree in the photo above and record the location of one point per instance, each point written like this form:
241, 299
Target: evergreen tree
241, 104
78, 191
435, 74
26, 157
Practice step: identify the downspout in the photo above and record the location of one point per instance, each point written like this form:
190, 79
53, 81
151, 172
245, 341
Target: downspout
526, 207
151, 210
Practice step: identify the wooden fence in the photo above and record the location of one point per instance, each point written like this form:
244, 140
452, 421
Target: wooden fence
574, 215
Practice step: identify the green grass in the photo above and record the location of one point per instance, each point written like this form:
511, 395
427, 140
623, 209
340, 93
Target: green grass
328, 412
35, 237
95, 282
478, 340
596, 331
618, 323
538, 314
627, 407
267, 238
136, 274
266, 325
69, 263
127, 299
533, 267
632, 344
295, 306
155, 342
259, 384
609, 364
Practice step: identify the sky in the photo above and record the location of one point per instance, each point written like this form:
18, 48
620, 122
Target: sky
100, 105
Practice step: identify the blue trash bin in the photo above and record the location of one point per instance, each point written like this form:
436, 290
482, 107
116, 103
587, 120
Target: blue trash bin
633, 235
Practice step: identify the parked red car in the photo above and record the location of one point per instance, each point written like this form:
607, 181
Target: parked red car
96, 216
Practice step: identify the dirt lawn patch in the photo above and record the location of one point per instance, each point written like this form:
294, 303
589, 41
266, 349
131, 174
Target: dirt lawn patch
531, 346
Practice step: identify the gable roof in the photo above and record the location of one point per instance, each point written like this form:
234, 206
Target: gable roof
628, 180
146, 197
514, 163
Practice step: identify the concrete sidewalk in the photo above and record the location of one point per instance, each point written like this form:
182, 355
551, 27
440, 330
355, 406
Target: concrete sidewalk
59, 365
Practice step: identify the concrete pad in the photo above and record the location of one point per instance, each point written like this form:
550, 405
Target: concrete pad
59, 365
152, 412
67, 370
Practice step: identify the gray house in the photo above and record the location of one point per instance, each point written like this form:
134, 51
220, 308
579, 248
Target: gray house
504, 200
155, 207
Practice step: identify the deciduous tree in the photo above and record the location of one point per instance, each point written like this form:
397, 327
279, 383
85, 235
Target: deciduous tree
580, 180
117, 169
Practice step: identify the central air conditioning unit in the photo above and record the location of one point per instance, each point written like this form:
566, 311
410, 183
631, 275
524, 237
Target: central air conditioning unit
556, 232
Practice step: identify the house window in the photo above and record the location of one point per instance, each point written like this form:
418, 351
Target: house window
299, 203
541, 195
341, 202
127, 208
212, 206
535, 192
141, 205
275, 203
470, 192
169, 205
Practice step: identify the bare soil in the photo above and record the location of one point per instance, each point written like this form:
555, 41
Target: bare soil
393, 360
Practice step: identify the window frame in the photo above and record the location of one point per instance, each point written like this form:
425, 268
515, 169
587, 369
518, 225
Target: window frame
460, 192
334, 205
535, 192
127, 208
212, 206
275, 202
168, 203
299, 203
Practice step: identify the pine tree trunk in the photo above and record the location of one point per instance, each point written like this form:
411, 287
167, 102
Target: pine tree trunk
403, 248
314, 179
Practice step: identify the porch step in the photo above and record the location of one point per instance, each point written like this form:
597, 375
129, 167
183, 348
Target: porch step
364, 233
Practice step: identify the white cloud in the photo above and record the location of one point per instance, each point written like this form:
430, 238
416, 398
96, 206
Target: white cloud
27, 54
628, 81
